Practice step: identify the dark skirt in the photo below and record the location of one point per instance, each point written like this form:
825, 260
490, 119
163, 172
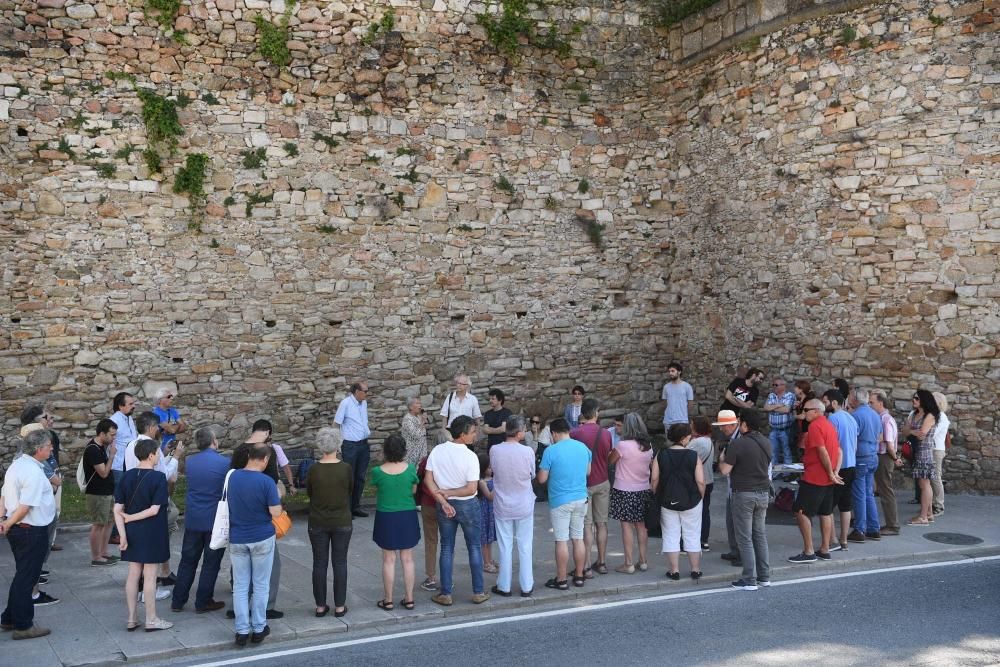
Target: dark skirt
396, 530
630, 506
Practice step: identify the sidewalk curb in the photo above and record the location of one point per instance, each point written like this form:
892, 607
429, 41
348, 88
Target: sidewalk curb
501, 606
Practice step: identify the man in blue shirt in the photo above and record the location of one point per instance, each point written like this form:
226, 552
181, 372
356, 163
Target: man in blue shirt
866, 520
780, 409
352, 418
206, 475
171, 423
847, 436
565, 467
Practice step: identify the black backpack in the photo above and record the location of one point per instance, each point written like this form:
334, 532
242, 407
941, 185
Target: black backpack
678, 488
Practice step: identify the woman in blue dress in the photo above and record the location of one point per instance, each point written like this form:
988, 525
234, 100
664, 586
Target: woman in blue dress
141, 517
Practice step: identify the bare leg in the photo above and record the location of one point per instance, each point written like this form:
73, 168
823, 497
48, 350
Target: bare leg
105, 536
580, 556
806, 528
926, 496
627, 541
602, 542
588, 543
96, 548
487, 555
388, 573
132, 589
695, 558
409, 573
826, 530
845, 525
674, 561
643, 541
562, 560
149, 590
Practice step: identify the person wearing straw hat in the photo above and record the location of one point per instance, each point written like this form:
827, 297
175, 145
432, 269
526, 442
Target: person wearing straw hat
728, 424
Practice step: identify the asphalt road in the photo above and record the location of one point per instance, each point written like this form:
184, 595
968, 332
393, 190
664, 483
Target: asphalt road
947, 615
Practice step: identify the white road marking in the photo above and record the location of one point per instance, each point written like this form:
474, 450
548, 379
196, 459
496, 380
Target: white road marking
574, 610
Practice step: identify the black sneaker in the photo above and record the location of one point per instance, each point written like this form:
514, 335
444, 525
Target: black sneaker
802, 558
241, 640
43, 579
231, 613
360, 513
730, 556
273, 613
873, 536
258, 637
856, 536
44, 599
44, 573
824, 555
168, 580
744, 585
837, 546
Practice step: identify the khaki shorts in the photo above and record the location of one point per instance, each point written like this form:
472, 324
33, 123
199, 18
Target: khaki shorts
599, 496
99, 509
567, 520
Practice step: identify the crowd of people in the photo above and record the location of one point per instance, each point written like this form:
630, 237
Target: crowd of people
484, 475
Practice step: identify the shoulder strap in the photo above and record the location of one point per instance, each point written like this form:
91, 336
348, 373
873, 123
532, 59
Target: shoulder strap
87, 483
447, 417
225, 485
764, 449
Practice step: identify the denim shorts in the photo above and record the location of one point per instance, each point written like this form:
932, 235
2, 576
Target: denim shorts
567, 520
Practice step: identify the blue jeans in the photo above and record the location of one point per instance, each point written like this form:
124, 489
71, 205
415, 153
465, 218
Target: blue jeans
781, 448
467, 515
863, 494
251, 563
195, 548
358, 454
29, 544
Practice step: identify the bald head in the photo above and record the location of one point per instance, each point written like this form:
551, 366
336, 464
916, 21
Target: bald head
814, 408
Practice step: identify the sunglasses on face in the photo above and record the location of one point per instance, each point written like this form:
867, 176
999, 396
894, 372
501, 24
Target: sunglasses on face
535, 422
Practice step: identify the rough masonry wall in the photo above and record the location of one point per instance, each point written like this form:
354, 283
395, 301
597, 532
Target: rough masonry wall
815, 209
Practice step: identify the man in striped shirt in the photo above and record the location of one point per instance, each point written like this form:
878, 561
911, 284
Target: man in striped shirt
780, 409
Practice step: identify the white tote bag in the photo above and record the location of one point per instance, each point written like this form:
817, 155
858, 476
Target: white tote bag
220, 527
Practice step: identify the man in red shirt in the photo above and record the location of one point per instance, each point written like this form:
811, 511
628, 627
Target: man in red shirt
821, 461
598, 441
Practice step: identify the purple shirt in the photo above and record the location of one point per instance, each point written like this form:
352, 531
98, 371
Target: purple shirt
513, 469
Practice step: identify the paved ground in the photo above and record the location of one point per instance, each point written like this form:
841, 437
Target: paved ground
903, 623
89, 624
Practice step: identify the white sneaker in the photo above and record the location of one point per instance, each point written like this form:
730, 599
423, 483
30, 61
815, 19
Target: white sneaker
161, 594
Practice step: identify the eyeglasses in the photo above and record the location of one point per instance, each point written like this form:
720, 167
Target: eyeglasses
535, 421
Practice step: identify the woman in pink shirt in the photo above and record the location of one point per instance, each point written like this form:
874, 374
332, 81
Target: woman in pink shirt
631, 494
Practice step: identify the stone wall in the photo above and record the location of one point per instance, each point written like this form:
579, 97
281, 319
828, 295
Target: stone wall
817, 209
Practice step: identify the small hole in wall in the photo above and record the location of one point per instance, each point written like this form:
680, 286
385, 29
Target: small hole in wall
178, 360
521, 313
335, 323
100, 328
458, 318
572, 303
270, 323
22, 132
15, 320
178, 321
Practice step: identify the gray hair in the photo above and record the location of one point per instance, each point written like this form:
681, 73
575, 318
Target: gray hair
633, 428
204, 437
861, 395
35, 441
329, 440
941, 400
880, 395
411, 400
515, 424
163, 392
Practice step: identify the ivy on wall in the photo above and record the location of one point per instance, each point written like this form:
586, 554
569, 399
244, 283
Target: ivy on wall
671, 12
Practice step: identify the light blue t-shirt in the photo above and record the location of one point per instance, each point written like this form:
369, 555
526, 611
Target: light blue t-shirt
869, 430
847, 434
567, 463
169, 415
677, 396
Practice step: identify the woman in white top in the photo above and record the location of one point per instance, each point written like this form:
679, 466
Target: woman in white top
940, 450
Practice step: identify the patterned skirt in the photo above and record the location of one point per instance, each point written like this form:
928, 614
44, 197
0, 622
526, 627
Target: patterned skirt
630, 506
923, 461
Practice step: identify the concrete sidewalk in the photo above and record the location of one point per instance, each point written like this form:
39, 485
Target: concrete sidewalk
88, 625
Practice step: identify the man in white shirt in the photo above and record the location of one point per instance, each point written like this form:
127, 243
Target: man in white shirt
28, 507
452, 477
460, 402
352, 418
122, 407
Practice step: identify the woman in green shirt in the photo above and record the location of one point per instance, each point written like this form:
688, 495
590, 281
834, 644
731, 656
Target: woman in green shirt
329, 485
396, 525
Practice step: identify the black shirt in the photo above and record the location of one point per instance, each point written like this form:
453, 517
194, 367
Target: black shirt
493, 419
749, 454
741, 390
94, 455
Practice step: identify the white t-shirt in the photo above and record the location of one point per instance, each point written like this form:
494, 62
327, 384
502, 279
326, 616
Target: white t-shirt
455, 406
165, 464
454, 465
941, 432
25, 484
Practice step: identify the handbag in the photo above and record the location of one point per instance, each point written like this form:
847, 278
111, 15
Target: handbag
81, 478
282, 524
220, 526
909, 447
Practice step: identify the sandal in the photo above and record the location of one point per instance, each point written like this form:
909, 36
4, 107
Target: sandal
558, 585
579, 581
917, 521
626, 568
696, 574
490, 568
385, 605
588, 573
407, 604
600, 568
674, 576
158, 624
320, 613
132, 625
643, 566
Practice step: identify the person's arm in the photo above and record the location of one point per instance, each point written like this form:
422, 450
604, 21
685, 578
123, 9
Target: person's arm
291, 479
735, 401
724, 466
15, 518
170, 427
699, 476
824, 460
338, 418
438, 496
55, 481
484, 489
543, 476
925, 426
102, 470
152, 510
614, 457
654, 474
119, 512
275, 510
467, 490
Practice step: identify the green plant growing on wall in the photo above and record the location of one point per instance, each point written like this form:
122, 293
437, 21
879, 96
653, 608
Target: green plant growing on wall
505, 30
105, 169
504, 185
121, 76
291, 150
667, 13
936, 20
326, 229
583, 98
398, 198
594, 230
326, 139
160, 117
180, 37
209, 99
255, 198
165, 11
865, 43
254, 158
382, 27
77, 121
583, 187
64, 147
272, 40
551, 203
190, 178
228, 201
183, 100
411, 175
848, 35
152, 159
124, 152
